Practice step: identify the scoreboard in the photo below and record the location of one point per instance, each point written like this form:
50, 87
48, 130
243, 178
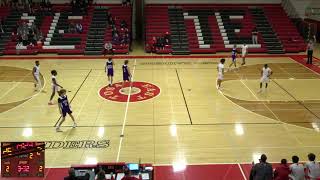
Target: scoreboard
22, 159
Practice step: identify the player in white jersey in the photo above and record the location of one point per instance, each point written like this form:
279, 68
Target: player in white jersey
36, 76
266, 72
220, 69
244, 53
55, 85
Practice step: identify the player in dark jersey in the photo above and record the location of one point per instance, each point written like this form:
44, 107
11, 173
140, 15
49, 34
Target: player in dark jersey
234, 56
109, 70
64, 108
126, 72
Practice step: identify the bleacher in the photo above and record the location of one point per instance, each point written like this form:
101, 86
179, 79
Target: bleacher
156, 25
286, 30
54, 27
209, 28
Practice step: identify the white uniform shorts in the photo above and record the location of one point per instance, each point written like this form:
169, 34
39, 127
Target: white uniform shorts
220, 76
37, 79
55, 88
264, 79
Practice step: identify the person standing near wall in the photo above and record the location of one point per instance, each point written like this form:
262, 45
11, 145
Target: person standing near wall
254, 36
310, 48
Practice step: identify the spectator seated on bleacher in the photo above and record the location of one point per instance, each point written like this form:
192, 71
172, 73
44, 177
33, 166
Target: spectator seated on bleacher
126, 2
114, 30
116, 39
111, 21
31, 38
282, 171
161, 42
72, 175
108, 48
79, 28
167, 38
153, 44
1, 28
124, 40
46, 5
72, 28
123, 24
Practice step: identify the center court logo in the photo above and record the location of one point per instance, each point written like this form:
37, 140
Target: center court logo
140, 91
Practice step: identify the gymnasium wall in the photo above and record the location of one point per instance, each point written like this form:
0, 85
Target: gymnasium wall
213, 1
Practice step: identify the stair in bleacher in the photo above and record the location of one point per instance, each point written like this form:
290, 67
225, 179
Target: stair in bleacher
231, 26
96, 32
10, 24
179, 38
63, 24
199, 31
272, 42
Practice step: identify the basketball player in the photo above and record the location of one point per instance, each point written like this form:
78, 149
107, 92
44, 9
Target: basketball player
244, 50
36, 76
220, 69
234, 56
266, 72
64, 108
55, 85
109, 70
126, 72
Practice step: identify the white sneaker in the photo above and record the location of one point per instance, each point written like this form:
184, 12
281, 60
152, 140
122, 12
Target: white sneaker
58, 129
74, 125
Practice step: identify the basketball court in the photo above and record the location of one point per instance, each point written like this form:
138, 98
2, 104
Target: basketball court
173, 114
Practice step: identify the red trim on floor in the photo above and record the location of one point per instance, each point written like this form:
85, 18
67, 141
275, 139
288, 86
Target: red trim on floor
133, 57
50, 174
203, 172
302, 59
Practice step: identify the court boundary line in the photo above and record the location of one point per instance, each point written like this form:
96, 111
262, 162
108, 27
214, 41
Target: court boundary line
184, 98
69, 131
31, 97
126, 112
241, 170
75, 94
131, 101
81, 57
268, 117
296, 100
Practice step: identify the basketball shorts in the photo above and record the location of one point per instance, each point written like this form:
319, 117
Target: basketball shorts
264, 80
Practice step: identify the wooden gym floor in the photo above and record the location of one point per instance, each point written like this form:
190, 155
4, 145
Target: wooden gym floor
188, 122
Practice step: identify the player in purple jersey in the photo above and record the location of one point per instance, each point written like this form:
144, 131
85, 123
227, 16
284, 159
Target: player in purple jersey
126, 72
64, 108
109, 70
234, 56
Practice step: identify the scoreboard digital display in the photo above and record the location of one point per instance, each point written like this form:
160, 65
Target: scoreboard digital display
22, 159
